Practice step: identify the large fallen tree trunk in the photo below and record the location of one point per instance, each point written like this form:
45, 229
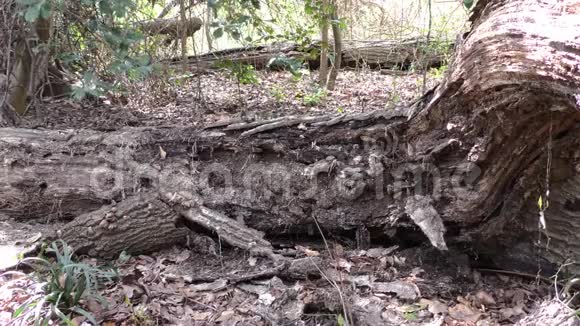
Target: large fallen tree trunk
466, 164
398, 54
172, 27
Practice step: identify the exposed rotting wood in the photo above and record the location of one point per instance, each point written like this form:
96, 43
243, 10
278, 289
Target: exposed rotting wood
394, 53
421, 211
477, 150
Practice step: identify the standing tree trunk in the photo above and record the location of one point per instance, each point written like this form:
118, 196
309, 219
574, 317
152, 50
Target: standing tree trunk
183, 25
208, 20
31, 64
465, 166
323, 70
337, 34
17, 98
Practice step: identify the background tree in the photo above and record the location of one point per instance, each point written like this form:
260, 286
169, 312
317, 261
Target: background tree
337, 34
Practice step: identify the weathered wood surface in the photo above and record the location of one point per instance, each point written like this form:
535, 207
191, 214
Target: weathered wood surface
472, 155
355, 54
171, 27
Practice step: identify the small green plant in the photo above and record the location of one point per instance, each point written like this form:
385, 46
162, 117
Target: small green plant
244, 74
89, 85
410, 313
315, 98
468, 4
278, 93
340, 320
395, 97
410, 316
287, 64
67, 285
438, 73
141, 317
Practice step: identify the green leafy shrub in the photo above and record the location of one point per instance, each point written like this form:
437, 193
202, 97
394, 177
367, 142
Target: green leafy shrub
315, 98
287, 64
101, 43
278, 93
66, 285
438, 73
244, 74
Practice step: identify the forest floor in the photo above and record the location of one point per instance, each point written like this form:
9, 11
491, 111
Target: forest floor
388, 284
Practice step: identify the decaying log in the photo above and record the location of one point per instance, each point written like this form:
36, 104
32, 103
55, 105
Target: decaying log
398, 53
171, 27
257, 56
355, 54
474, 154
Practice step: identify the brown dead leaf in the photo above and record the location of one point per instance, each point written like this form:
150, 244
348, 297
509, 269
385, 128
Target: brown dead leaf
399, 261
94, 307
214, 286
200, 315
484, 298
476, 276
462, 312
338, 250
435, 306
464, 301
403, 290
226, 315
183, 256
344, 265
78, 320
508, 313
62, 280
129, 290
383, 262
416, 271
520, 296
252, 261
308, 252
381, 252
503, 278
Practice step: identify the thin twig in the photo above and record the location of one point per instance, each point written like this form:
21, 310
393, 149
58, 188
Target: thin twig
428, 41
332, 282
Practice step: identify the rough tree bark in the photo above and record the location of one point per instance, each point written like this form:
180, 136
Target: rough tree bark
337, 34
208, 21
31, 64
324, 45
465, 165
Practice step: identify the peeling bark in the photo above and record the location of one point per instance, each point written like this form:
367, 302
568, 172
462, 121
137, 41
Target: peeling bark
137, 224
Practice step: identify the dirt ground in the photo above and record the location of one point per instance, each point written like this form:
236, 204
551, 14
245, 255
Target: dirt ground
206, 283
